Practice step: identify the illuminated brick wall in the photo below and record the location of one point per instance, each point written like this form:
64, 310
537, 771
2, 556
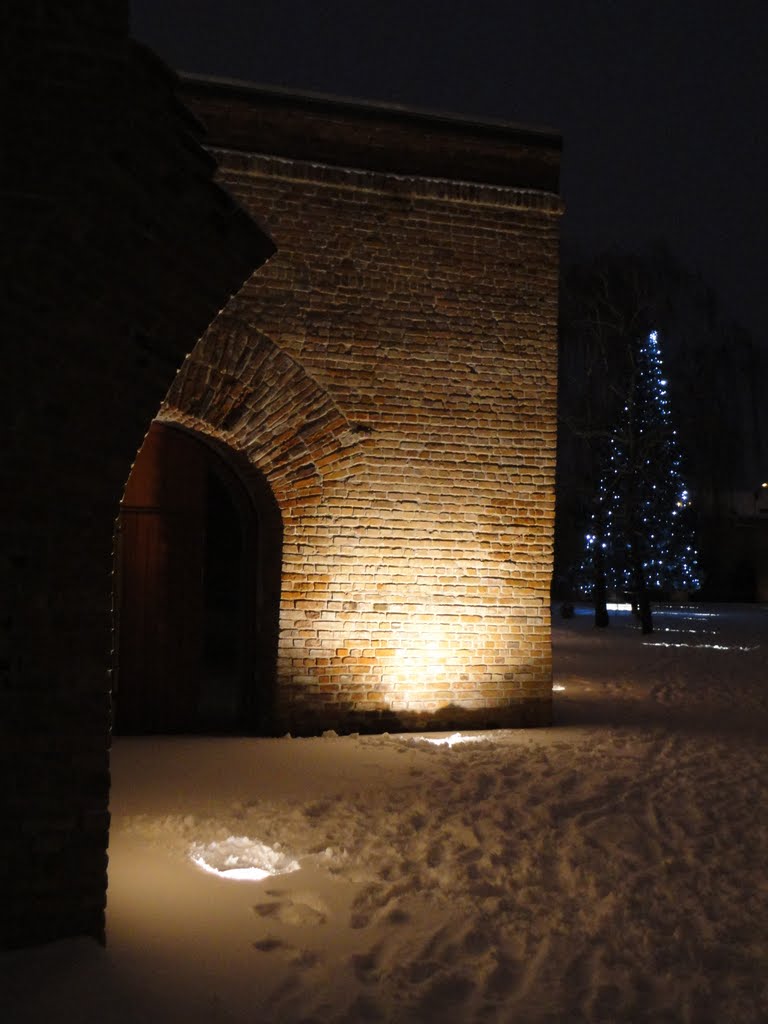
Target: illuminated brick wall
392, 373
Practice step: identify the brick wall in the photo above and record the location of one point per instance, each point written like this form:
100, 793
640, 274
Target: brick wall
391, 372
118, 250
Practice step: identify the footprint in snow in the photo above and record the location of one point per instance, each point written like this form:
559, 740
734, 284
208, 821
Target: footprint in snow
373, 905
435, 855
505, 979
445, 994
364, 965
296, 956
397, 916
306, 909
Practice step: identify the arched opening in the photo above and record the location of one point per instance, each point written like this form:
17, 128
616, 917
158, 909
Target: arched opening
197, 587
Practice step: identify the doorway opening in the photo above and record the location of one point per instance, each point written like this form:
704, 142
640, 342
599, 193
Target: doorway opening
197, 588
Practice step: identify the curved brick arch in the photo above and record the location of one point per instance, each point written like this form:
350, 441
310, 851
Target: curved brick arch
240, 388
249, 398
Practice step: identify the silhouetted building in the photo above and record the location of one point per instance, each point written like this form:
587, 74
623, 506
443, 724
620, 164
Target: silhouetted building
118, 250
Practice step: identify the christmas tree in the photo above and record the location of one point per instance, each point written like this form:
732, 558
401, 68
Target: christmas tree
640, 539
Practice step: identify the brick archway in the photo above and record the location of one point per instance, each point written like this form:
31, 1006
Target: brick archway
247, 395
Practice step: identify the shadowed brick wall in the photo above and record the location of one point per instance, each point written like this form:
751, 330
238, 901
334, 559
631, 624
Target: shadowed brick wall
117, 252
392, 374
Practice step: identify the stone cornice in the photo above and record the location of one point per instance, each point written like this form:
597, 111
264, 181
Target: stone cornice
380, 182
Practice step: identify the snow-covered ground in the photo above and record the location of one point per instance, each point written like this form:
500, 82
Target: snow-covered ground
612, 868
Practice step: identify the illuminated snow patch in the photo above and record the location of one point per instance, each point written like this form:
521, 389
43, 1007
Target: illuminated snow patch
451, 741
241, 859
709, 647
558, 688
688, 613
692, 632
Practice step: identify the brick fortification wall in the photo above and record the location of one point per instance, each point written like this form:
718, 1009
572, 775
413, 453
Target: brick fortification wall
117, 252
391, 371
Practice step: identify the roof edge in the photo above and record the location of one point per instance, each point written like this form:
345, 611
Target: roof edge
545, 137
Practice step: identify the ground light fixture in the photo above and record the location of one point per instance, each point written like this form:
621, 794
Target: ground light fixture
242, 859
451, 741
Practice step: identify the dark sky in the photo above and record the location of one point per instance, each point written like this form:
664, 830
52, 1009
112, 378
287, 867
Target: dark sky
662, 103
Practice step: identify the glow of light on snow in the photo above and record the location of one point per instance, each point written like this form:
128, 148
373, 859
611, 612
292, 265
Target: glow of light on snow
688, 614
451, 741
693, 632
558, 688
241, 859
710, 647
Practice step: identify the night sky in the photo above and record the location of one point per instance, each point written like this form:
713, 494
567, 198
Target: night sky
662, 105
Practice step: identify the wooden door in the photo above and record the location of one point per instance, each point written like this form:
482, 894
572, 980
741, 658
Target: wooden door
160, 599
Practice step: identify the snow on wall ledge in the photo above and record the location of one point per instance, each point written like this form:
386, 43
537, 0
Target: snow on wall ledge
392, 374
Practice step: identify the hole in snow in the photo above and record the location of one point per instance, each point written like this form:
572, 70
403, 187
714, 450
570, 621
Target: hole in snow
241, 859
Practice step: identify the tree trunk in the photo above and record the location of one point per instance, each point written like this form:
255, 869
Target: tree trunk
642, 596
600, 590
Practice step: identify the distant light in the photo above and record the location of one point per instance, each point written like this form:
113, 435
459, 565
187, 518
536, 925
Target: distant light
242, 859
558, 688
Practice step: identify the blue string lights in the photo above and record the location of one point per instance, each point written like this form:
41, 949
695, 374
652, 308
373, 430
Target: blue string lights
643, 517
